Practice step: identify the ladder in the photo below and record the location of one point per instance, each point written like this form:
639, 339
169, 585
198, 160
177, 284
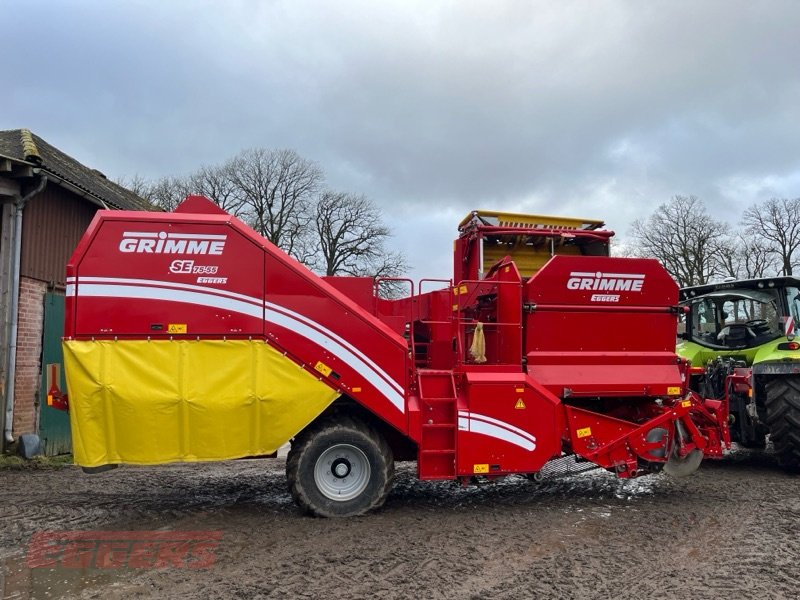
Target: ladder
439, 414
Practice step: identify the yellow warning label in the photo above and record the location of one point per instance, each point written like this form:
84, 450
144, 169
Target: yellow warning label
673, 391
520, 404
480, 468
323, 368
584, 432
355, 390
176, 328
462, 289
686, 403
455, 291
520, 390
455, 306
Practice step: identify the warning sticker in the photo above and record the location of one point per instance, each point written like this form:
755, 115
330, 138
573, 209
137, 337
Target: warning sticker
520, 404
673, 391
176, 328
480, 468
323, 368
584, 432
686, 403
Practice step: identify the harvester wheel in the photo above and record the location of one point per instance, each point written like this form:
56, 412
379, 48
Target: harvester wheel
339, 468
783, 417
683, 467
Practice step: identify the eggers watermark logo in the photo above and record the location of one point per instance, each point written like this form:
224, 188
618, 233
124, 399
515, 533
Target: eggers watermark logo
605, 282
120, 549
145, 242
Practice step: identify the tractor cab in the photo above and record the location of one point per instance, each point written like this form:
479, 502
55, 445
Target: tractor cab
741, 315
733, 319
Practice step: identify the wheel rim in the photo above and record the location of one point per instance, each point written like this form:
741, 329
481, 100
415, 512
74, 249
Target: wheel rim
342, 472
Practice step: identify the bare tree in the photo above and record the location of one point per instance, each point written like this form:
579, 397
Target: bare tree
747, 257
277, 189
352, 238
217, 184
687, 241
777, 223
165, 193
276, 192
137, 184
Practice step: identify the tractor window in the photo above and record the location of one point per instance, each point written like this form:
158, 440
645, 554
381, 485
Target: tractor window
793, 300
736, 318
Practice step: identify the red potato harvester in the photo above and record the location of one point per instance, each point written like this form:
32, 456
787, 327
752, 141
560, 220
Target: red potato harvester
189, 337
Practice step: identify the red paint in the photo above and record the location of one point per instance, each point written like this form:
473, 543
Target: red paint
579, 358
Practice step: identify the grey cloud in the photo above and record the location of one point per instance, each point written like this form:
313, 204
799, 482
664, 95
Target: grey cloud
431, 108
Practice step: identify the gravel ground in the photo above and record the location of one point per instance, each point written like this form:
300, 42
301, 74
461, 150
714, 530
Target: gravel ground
730, 531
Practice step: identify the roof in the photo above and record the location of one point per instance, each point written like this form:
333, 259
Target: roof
22, 145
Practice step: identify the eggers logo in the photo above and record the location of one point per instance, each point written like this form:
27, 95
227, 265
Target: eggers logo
124, 549
171, 243
605, 282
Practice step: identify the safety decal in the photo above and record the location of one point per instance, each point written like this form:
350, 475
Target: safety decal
673, 391
323, 368
480, 468
176, 328
584, 432
520, 405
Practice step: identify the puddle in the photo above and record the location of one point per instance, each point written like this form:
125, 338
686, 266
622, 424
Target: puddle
20, 582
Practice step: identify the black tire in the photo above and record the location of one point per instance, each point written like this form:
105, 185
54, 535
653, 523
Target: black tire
757, 444
783, 417
326, 455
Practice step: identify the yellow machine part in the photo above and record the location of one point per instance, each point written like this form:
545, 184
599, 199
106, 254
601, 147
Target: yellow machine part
505, 219
149, 402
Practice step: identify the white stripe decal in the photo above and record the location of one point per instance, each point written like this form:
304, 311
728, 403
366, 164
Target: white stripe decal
330, 334
339, 351
169, 285
496, 422
500, 433
251, 307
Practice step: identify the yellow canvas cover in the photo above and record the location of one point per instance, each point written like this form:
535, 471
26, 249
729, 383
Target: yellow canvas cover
149, 402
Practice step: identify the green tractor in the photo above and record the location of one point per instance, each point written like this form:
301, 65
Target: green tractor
740, 337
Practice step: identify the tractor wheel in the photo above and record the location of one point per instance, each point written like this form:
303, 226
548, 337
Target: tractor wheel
758, 444
783, 417
339, 468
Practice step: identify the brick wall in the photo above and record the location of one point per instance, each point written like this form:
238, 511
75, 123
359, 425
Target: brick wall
29, 351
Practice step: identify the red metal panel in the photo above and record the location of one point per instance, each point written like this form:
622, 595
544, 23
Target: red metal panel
509, 424
603, 326
136, 274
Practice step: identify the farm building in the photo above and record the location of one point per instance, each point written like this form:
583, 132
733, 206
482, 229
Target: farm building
48, 199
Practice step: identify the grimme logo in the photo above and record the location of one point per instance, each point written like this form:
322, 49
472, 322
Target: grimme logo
171, 243
119, 549
605, 282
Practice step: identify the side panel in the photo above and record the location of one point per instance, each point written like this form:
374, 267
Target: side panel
601, 326
509, 424
150, 278
190, 276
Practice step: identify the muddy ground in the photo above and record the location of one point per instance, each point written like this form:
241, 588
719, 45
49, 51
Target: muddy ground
730, 531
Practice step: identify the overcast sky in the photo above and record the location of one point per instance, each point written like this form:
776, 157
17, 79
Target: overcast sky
590, 109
